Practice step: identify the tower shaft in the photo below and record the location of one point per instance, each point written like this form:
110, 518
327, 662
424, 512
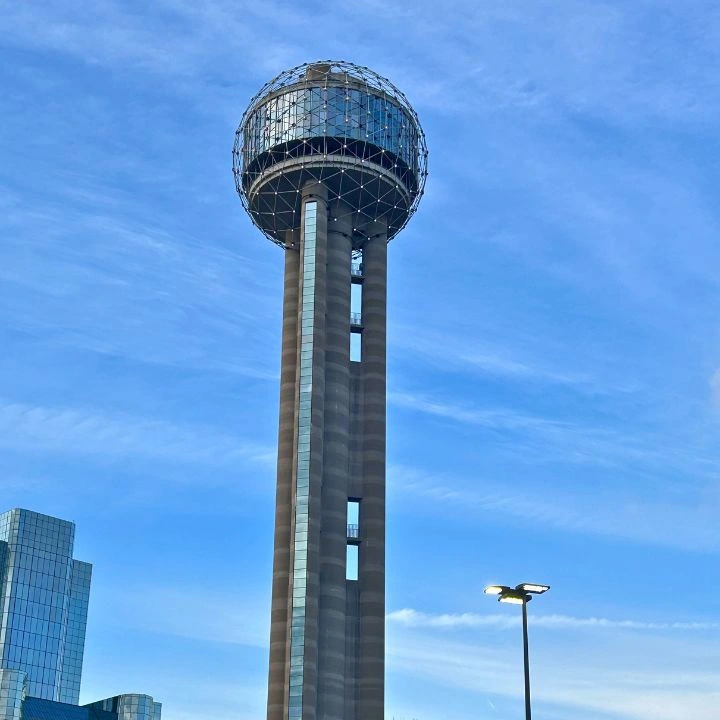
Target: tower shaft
328, 608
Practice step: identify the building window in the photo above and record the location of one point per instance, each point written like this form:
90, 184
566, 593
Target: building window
356, 316
355, 347
353, 515
356, 298
351, 567
353, 539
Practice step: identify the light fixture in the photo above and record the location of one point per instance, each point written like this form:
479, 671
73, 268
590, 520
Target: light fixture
533, 588
495, 589
512, 599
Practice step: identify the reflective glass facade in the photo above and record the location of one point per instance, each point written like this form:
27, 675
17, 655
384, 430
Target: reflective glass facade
121, 707
129, 707
13, 688
75, 632
302, 489
338, 111
43, 604
37, 709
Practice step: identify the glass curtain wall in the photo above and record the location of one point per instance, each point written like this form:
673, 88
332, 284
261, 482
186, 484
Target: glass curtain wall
302, 478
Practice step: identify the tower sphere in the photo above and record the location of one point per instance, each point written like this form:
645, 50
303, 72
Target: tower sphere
338, 124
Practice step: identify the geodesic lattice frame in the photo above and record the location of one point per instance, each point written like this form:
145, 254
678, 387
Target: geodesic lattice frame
337, 123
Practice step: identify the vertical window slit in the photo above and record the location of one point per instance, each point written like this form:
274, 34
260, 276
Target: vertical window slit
353, 540
351, 572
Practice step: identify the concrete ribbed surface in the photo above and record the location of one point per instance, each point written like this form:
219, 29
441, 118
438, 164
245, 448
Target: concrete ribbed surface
331, 678
277, 680
371, 677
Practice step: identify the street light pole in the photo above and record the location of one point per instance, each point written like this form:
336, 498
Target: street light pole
520, 595
526, 658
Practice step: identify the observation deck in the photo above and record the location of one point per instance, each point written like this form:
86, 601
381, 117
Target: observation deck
338, 124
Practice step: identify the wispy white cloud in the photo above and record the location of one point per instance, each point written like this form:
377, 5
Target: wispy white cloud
503, 419
197, 613
517, 66
578, 439
128, 287
515, 355
192, 45
602, 511
451, 621
612, 674
80, 432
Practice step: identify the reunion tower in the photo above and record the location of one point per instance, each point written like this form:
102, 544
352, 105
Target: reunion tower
330, 162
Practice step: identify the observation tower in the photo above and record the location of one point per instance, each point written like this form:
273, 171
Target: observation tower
330, 163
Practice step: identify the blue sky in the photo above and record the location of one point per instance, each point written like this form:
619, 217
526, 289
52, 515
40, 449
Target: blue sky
554, 344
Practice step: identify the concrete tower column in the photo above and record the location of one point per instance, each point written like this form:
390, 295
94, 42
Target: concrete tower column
331, 668
279, 618
371, 676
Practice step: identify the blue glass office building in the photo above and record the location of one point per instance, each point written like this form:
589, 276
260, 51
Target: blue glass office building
44, 594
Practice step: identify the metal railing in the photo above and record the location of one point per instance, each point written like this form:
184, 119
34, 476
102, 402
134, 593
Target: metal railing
353, 531
356, 319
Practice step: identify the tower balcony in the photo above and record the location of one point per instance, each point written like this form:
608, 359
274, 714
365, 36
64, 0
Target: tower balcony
353, 532
356, 321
